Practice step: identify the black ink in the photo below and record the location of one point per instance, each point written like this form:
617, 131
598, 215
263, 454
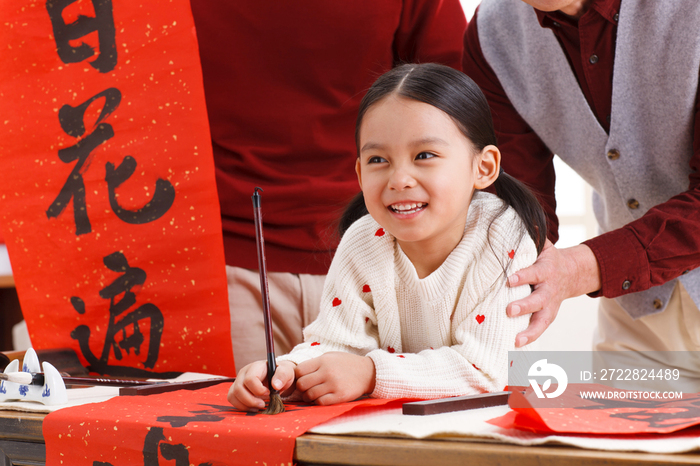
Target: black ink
162, 200
150, 445
102, 22
78, 304
181, 421
130, 277
71, 119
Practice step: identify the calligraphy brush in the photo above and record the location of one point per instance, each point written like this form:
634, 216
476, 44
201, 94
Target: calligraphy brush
37, 378
275, 405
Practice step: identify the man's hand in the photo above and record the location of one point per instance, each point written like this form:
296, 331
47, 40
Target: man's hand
557, 274
335, 377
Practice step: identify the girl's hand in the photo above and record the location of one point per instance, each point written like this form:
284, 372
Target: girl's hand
250, 387
556, 275
335, 377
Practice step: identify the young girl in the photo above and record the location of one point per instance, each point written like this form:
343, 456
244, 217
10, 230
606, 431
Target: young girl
414, 304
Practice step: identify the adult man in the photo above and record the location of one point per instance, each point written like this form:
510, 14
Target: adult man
283, 81
610, 86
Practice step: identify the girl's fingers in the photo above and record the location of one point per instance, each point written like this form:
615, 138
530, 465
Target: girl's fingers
255, 386
247, 391
313, 394
284, 376
241, 398
327, 399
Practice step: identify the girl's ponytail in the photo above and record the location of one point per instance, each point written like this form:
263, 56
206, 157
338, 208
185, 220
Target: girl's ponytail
524, 202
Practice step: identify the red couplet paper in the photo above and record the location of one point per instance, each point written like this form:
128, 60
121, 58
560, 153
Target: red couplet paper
189, 427
615, 412
108, 200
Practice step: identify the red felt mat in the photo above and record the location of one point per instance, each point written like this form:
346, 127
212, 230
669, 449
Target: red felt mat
618, 412
189, 427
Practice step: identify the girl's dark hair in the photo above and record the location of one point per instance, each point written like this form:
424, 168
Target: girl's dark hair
458, 96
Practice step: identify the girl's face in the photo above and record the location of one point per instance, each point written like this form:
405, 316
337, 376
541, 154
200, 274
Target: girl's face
418, 172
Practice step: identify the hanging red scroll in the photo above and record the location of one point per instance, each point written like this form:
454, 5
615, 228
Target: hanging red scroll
108, 201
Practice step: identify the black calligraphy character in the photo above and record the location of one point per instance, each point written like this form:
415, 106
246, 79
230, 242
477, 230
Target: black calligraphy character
72, 122
162, 200
131, 277
153, 440
102, 22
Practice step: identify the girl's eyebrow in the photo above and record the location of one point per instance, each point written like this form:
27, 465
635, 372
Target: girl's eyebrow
416, 143
371, 146
428, 141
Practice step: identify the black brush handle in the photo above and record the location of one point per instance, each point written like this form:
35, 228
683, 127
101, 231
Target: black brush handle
264, 290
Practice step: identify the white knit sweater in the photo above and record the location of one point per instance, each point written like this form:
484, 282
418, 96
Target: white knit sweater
444, 335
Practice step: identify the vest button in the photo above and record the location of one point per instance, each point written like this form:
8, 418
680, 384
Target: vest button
626, 285
593, 59
613, 154
616, 17
633, 204
658, 304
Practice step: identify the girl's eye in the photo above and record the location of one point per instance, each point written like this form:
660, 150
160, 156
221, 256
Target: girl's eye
375, 159
424, 156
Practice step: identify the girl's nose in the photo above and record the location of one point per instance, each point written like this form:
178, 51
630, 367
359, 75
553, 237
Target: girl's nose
401, 179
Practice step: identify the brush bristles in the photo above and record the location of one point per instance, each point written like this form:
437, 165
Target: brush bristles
275, 406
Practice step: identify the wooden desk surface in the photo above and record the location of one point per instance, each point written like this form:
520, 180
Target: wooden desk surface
22, 443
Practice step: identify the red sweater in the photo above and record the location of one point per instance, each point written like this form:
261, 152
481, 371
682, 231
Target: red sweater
663, 243
283, 82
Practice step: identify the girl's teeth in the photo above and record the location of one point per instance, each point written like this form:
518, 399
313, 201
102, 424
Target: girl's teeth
407, 208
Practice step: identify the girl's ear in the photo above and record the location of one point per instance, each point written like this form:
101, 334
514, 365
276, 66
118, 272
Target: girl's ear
488, 164
359, 172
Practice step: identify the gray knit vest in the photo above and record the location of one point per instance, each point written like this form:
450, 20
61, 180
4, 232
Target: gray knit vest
655, 80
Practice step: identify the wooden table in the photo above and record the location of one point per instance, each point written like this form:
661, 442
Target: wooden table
22, 443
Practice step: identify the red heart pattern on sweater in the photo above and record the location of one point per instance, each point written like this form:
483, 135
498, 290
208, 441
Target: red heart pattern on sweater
511, 254
390, 349
379, 232
480, 318
336, 302
366, 289
315, 343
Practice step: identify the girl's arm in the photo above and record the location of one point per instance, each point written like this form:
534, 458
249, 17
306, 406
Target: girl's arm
331, 363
